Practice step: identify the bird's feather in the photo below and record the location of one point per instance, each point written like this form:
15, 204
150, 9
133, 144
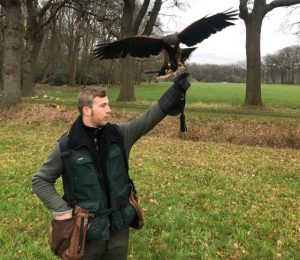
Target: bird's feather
185, 53
203, 28
134, 46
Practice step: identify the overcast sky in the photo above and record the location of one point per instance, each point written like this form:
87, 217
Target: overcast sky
228, 46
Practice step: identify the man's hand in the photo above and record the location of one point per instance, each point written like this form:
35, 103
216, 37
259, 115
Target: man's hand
172, 102
181, 81
63, 216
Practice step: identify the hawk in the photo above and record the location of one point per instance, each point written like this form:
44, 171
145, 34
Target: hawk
142, 46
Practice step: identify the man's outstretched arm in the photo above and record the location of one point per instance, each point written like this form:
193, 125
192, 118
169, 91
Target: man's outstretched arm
170, 103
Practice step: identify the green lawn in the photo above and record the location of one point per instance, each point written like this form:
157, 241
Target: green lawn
228, 93
201, 200
209, 198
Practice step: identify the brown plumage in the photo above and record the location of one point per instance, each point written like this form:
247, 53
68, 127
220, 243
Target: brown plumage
144, 46
181, 56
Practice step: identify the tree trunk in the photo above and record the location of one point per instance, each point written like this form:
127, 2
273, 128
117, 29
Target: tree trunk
29, 58
73, 62
36, 22
34, 34
253, 22
253, 78
127, 80
75, 50
127, 69
152, 18
12, 55
128, 28
1, 61
52, 43
85, 57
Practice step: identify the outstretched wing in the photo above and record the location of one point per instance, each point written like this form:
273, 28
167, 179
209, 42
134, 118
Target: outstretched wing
203, 28
134, 46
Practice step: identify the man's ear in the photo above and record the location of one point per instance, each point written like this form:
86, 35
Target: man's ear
86, 111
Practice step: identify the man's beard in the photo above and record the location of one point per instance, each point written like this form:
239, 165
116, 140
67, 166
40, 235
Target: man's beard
98, 125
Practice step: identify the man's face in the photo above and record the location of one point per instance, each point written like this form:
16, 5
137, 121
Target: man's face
99, 114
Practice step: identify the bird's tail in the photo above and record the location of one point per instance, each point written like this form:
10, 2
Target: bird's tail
185, 53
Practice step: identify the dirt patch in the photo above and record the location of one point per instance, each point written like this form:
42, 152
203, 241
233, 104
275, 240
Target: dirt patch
47, 114
239, 131
39, 115
246, 132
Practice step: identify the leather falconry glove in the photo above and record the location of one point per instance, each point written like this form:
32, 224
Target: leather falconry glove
172, 102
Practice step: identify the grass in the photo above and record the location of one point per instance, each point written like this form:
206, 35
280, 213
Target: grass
211, 195
209, 93
209, 201
201, 200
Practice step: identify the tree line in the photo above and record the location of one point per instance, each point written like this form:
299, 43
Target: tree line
282, 67
51, 41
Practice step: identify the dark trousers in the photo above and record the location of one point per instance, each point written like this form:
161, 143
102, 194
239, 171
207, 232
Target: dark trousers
115, 248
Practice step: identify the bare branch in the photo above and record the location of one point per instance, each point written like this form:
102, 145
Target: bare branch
244, 9
140, 16
56, 8
45, 8
280, 3
153, 16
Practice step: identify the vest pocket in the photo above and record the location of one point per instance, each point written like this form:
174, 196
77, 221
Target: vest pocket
86, 180
98, 227
123, 218
85, 171
129, 214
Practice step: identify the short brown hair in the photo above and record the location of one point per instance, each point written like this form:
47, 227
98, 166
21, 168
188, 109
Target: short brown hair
87, 95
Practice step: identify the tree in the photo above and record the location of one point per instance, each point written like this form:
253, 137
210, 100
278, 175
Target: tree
12, 32
24, 20
83, 18
253, 21
1, 45
283, 66
270, 68
37, 19
217, 73
132, 25
75, 43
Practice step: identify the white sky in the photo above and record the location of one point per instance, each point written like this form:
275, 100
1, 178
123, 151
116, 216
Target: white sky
228, 46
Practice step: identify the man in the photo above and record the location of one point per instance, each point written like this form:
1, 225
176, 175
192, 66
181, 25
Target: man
98, 155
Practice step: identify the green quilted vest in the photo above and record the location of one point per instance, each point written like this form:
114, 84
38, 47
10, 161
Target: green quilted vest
93, 195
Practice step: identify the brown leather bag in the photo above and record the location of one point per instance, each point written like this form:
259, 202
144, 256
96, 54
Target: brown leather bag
138, 222
67, 237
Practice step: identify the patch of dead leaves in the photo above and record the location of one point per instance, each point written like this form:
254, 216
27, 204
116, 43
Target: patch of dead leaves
249, 132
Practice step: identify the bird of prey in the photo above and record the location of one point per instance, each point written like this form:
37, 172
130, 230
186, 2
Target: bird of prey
144, 46
182, 55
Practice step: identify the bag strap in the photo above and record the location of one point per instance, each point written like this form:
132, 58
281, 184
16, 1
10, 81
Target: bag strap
183, 127
67, 173
107, 212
